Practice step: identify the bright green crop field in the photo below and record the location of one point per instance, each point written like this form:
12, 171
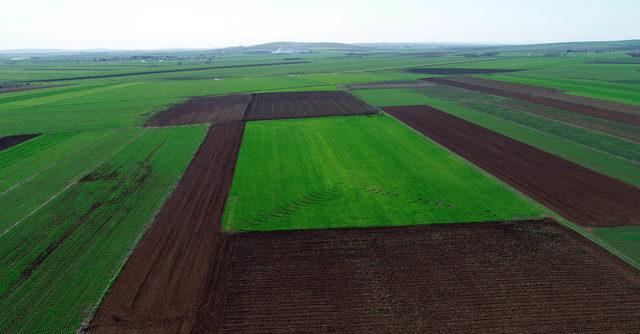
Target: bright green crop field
357, 172
57, 263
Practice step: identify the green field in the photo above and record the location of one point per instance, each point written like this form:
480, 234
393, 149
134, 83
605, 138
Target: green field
75, 200
357, 172
624, 239
59, 261
535, 131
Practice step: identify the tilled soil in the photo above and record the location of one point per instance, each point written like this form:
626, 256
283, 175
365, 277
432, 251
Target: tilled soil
509, 277
611, 111
209, 110
160, 288
305, 104
10, 141
577, 193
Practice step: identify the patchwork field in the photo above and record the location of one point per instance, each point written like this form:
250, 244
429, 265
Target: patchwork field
306, 104
357, 172
578, 194
204, 191
524, 276
57, 263
148, 296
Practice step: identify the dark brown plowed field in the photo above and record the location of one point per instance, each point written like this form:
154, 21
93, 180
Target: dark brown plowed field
10, 141
458, 71
595, 108
520, 277
211, 109
305, 104
161, 286
577, 193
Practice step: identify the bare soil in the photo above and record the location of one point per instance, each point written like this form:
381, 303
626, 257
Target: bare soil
305, 104
611, 111
160, 288
579, 194
209, 109
509, 277
11, 141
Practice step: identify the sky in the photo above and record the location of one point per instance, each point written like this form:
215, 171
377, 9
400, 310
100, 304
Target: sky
145, 24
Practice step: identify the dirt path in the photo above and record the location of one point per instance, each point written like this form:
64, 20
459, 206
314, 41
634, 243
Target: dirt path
577, 193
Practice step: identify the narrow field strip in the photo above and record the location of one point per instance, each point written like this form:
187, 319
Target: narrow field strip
513, 277
160, 288
580, 195
611, 115
57, 265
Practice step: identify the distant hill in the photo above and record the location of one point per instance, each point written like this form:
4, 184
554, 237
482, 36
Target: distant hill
598, 46
295, 47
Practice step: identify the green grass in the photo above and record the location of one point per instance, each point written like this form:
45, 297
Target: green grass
37, 172
594, 159
357, 172
625, 239
58, 263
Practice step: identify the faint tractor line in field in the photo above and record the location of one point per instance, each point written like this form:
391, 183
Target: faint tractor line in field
73, 182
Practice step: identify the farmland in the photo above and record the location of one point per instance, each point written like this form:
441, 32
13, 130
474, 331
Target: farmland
364, 280
356, 172
58, 262
596, 200
304, 104
215, 109
382, 189
9, 141
147, 295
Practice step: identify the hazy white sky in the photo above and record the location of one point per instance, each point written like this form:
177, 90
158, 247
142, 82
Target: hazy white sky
146, 24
